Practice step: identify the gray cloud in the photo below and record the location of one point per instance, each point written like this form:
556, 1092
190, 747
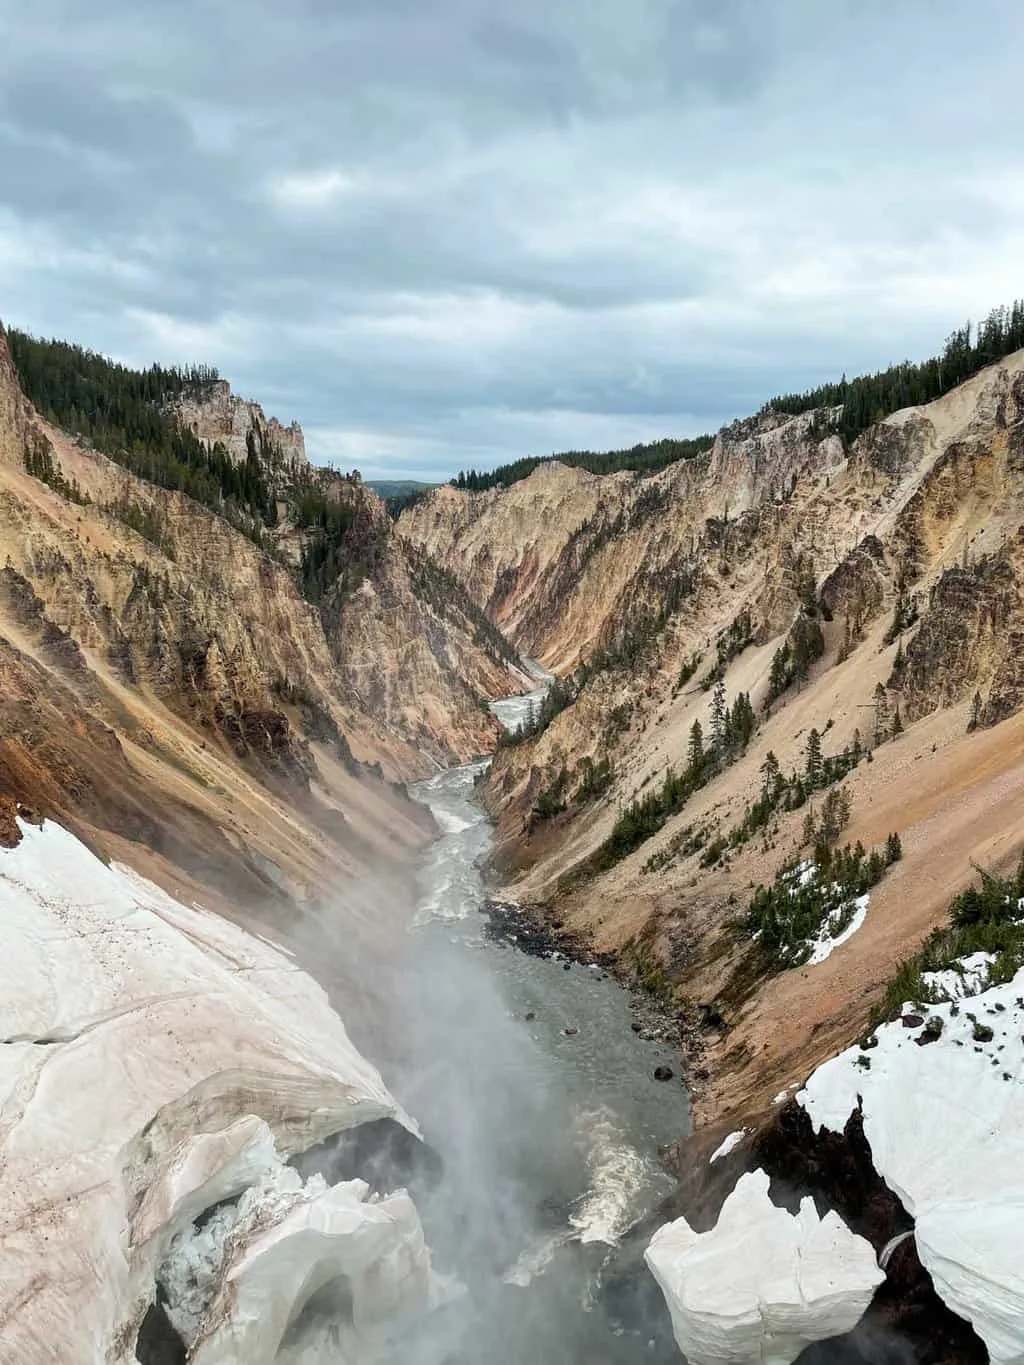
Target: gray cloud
455, 233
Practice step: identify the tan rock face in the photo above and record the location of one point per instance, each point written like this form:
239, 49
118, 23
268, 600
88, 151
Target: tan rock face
703, 567
223, 416
176, 692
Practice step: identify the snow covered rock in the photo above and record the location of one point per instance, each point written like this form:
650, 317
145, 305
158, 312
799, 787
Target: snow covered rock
237, 1287
945, 1123
156, 1060
763, 1283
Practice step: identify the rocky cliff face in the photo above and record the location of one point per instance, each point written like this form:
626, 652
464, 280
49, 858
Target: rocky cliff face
868, 593
166, 686
238, 422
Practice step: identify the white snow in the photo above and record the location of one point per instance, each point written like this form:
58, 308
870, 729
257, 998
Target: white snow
763, 1283
154, 1060
945, 1122
371, 1252
829, 937
967, 977
728, 1145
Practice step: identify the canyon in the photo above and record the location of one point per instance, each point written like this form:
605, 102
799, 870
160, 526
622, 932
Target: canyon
906, 552
744, 726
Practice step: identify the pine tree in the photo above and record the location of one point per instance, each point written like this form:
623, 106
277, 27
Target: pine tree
778, 677
810, 827
897, 723
893, 849
696, 750
770, 774
718, 717
814, 760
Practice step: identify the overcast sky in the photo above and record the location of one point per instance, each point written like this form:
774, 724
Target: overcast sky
445, 233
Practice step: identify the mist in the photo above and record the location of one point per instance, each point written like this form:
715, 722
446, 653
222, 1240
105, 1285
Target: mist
535, 1096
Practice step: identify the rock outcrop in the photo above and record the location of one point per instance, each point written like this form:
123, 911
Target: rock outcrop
240, 424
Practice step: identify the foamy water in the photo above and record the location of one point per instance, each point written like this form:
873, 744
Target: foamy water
619, 1177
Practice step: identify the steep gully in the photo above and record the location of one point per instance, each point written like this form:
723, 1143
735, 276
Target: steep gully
540, 1099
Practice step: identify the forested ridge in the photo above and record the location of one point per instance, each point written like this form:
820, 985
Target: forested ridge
864, 400
870, 397
122, 412
126, 414
647, 458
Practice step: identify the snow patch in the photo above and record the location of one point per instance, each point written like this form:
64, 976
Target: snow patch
831, 936
967, 977
763, 1283
945, 1123
728, 1145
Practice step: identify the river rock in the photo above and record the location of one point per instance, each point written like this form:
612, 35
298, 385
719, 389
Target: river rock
571, 1031
663, 1073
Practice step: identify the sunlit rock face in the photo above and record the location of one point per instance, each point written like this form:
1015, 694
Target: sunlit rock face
158, 1067
763, 1283
942, 1099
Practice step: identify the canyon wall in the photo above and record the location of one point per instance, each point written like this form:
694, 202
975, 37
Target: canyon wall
892, 571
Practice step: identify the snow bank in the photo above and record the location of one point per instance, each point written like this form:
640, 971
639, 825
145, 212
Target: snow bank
235, 1286
155, 1060
967, 977
763, 1284
945, 1122
831, 937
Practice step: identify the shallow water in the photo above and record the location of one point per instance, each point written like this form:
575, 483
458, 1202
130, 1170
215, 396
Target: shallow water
550, 1139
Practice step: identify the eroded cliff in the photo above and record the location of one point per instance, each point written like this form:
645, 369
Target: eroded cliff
171, 692
869, 593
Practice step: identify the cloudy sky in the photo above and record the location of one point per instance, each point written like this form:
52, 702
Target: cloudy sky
444, 233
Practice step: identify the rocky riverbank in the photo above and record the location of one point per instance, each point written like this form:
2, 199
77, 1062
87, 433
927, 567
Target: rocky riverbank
528, 928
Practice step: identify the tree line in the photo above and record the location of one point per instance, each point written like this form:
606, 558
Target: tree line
123, 413
646, 458
870, 397
730, 732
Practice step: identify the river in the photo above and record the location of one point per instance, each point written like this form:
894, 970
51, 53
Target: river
531, 1084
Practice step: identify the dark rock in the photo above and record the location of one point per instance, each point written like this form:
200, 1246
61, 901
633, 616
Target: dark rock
663, 1073
383, 1153
912, 1020
571, 1031
636, 1026
529, 1016
158, 1343
932, 1031
710, 1017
